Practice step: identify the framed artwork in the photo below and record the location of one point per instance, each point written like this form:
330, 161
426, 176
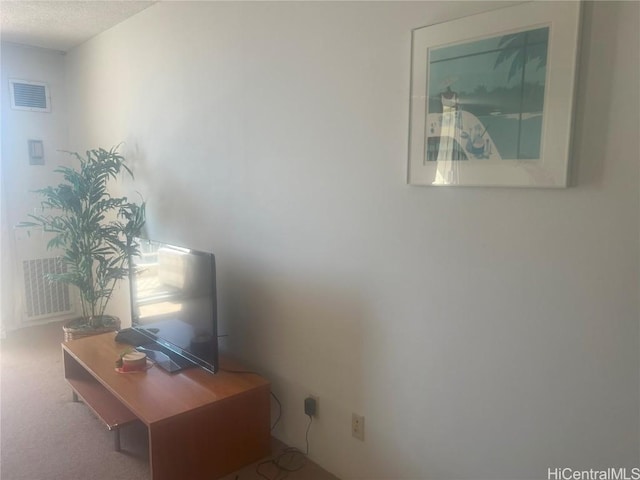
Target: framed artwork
492, 97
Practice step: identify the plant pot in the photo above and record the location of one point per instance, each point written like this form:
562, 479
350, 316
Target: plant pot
78, 327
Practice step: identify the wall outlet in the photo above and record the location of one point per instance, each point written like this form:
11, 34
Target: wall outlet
311, 406
357, 426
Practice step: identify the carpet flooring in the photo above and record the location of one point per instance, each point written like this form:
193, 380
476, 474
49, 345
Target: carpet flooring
46, 436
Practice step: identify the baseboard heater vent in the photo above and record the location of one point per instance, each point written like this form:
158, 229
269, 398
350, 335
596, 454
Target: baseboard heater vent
42, 297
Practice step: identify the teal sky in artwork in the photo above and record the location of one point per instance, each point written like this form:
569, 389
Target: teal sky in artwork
479, 46
472, 65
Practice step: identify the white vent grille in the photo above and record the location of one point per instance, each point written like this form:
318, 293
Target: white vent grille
42, 297
31, 96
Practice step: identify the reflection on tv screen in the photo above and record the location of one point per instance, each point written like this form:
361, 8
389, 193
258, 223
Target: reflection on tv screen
174, 298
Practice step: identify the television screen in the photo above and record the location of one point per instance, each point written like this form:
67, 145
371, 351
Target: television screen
173, 299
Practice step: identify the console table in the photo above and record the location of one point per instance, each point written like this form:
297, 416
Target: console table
200, 425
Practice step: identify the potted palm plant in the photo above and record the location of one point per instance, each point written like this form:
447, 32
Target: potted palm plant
95, 232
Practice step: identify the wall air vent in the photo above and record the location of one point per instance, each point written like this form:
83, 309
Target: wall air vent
31, 96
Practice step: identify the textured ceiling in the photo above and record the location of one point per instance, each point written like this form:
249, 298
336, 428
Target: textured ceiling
61, 25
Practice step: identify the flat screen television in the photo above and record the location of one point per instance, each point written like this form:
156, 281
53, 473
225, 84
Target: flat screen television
173, 304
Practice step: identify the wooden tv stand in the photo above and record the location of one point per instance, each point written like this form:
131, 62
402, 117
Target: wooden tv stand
200, 425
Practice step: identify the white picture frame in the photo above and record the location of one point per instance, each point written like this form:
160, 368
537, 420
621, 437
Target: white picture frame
492, 98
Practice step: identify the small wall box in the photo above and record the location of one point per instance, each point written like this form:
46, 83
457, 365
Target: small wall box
36, 152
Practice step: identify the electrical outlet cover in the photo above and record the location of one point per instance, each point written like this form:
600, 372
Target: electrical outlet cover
357, 426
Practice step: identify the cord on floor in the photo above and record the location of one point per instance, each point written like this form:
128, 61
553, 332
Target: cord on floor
288, 461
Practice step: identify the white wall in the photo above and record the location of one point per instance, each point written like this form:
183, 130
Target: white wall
484, 333
18, 126
19, 178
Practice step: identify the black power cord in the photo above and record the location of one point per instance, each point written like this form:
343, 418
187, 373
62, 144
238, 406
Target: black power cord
306, 434
279, 411
272, 394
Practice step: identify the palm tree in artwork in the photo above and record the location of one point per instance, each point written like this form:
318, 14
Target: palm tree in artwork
516, 47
